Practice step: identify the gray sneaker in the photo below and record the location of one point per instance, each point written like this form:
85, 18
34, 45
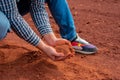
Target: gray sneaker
82, 46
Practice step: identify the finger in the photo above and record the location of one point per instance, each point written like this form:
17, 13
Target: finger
60, 58
52, 57
73, 53
71, 49
61, 41
63, 57
59, 54
69, 56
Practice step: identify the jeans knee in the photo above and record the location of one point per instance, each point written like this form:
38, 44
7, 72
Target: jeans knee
4, 25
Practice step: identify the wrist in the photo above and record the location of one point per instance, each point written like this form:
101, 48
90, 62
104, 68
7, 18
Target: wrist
42, 46
50, 39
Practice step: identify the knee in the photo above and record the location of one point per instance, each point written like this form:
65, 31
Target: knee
4, 25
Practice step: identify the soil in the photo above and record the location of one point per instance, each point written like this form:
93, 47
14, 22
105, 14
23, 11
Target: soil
97, 21
65, 47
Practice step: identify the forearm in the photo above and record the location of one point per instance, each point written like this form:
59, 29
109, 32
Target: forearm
40, 16
23, 30
19, 25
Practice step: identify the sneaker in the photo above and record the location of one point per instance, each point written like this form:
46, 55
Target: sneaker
82, 46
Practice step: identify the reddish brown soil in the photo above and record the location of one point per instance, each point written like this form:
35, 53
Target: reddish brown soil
97, 21
64, 46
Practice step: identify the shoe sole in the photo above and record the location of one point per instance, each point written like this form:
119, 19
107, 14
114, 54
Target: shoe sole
83, 52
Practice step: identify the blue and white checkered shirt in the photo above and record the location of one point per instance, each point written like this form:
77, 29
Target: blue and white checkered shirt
20, 26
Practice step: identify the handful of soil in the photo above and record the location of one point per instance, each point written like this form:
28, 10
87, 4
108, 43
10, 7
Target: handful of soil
64, 46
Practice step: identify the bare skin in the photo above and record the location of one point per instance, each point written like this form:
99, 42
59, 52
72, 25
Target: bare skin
49, 50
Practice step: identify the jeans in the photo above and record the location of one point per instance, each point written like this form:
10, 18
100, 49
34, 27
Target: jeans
61, 13
4, 25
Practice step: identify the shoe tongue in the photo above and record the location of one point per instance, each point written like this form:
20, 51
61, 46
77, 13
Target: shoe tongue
80, 40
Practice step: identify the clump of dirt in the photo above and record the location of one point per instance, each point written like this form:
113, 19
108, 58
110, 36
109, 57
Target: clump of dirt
64, 47
8, 58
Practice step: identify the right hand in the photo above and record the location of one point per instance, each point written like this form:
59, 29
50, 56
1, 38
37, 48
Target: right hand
54, 55
51, 52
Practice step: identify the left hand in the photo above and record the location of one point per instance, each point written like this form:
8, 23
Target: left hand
64, 46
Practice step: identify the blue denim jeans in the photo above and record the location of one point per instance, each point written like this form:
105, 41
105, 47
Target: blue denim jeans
62, 15
4, 25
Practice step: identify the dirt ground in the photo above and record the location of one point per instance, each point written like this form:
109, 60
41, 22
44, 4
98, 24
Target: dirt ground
97, 21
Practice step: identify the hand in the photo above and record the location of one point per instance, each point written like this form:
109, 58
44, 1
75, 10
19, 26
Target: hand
53, 41
51, 52
64, 46
54, 55
59, 41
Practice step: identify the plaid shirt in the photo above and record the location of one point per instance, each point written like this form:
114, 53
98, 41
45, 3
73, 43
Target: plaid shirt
20, 26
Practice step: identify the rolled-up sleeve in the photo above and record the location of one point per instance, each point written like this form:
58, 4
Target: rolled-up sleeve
18, 24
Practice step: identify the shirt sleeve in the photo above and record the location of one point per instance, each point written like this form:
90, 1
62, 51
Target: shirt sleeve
18, 24
40, 16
